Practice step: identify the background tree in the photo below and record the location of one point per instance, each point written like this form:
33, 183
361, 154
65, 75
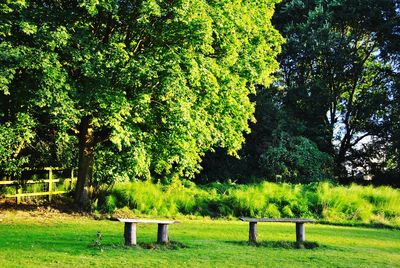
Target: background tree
338, 78
337, 89
272, 151
148, 85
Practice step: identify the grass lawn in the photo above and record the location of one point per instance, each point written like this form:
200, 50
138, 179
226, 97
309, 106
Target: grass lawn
32, 239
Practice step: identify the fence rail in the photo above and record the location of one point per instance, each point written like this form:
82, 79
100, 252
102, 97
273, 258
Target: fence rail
50, 181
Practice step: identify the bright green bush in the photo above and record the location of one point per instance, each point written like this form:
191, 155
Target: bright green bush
110, 203
337, 204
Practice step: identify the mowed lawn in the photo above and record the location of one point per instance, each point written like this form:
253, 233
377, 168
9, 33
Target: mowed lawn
65, 241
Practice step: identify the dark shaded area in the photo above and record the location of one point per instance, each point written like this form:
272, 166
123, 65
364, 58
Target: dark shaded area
279, 244
60, 203
172, 245
275, 150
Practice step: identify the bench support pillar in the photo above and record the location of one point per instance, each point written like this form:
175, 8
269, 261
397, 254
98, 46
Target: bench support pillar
130, 234
253, 232
300, 233
162, 234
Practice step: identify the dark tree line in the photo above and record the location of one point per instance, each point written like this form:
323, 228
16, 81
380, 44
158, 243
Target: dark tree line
333, 113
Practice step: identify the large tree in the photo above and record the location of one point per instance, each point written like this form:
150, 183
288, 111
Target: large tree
149, 85
339, 74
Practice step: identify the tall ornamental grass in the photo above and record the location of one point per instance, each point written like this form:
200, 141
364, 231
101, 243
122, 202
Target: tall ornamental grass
352, 204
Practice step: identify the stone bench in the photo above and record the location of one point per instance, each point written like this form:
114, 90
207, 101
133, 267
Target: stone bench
130, 230
300, 230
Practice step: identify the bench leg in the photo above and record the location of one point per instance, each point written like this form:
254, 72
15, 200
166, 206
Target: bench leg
130, 234
253, 232
162, 234
300, 233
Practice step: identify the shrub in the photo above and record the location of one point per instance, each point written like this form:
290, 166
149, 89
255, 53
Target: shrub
296, 159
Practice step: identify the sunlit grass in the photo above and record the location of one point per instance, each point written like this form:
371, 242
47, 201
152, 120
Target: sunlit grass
68, 242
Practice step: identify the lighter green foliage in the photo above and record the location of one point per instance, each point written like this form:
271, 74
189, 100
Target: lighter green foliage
90, 6
169, 78
14, 137
28, 28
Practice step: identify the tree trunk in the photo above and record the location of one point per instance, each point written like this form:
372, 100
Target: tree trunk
86, 144
345, 146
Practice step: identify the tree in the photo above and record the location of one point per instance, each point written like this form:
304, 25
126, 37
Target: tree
272, 151
155, 83
338, 74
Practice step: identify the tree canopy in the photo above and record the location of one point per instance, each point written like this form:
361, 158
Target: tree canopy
339, 69
132, 88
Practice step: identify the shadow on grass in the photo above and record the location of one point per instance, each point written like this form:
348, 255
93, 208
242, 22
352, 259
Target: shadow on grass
59, 204
278, 244
374, 225
172, 245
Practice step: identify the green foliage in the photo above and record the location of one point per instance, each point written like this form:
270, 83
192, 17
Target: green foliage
157, 83
338, 69
13, 137
110, 203
323, 201
296, 159
272, 150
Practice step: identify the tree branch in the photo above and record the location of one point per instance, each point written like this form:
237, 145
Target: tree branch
359, 139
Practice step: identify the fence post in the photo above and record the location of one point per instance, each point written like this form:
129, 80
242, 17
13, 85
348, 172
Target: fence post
50, 183
19, 192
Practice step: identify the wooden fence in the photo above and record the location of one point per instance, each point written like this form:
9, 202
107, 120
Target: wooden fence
50, 181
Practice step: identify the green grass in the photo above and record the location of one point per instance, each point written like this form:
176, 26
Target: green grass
36, 240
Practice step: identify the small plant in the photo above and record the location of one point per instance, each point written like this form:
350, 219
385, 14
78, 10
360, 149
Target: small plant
97, 241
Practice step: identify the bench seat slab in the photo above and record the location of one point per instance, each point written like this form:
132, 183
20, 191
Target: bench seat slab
276, 220
148, 221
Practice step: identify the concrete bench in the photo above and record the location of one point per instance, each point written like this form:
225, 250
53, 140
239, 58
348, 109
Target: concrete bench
130, 230
300, 230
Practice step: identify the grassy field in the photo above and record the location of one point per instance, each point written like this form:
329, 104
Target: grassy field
40, 239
